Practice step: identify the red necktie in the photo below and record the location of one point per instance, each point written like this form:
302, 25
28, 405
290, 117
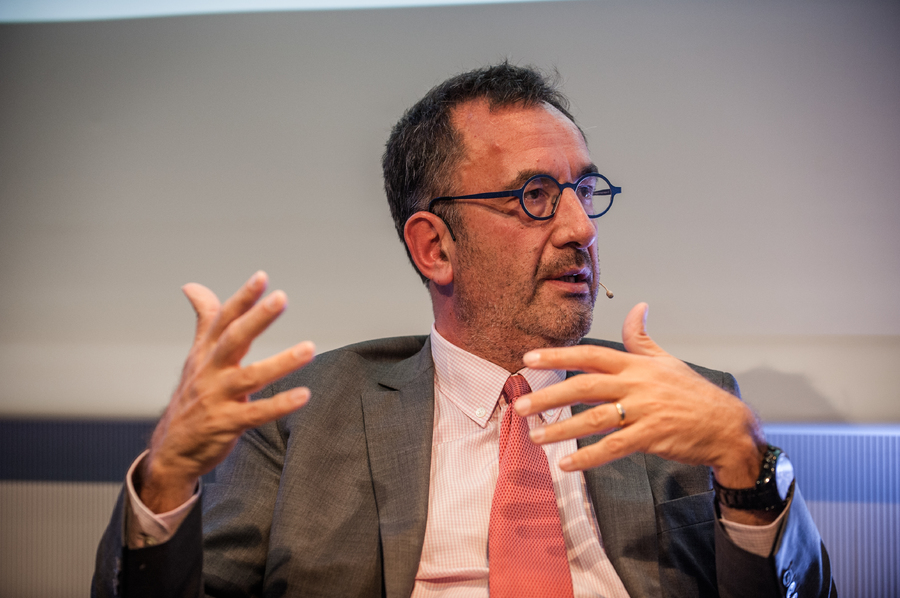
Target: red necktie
526, 549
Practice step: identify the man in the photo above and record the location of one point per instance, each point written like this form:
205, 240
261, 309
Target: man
405, 474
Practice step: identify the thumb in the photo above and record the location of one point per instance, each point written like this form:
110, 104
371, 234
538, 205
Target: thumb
634, 332
205, 303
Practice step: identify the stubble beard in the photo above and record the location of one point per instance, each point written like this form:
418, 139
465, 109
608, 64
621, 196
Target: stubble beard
504, 322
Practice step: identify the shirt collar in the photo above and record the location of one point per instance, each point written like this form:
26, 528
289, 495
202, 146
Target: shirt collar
474, 384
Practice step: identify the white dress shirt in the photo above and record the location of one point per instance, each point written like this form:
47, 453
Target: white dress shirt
464, 468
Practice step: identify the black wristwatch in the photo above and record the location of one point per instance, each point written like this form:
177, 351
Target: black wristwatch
771, 489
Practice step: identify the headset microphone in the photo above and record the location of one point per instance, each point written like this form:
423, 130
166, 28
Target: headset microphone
608, 292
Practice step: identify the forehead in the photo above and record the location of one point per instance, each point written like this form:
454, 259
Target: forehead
501, 144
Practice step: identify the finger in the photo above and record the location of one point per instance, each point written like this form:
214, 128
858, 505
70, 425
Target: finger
239, 303
596, 420
206, 306
583, 358
257, 375
586, 388
634, 333
235, 341
606, 450
259, 412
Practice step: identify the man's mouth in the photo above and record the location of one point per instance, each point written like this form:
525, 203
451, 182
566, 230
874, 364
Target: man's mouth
577, 277
571, 275
576, 281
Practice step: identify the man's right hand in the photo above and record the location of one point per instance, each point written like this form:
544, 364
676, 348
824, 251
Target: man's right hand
210, 408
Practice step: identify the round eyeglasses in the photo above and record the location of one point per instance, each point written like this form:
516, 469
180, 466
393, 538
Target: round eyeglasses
540, 194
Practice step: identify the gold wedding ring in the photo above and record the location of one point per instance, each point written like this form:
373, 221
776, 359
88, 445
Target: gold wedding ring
621, 411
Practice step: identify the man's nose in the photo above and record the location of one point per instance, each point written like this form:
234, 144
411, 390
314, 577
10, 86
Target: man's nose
572, 224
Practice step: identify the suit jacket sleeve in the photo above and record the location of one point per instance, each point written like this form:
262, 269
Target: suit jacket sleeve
799, 564
660, 529
316, 526
240, 547
176, 568
173, 568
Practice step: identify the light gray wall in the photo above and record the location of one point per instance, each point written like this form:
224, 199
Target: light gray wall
758, 145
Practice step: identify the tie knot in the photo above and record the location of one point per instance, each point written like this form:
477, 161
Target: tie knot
515, 387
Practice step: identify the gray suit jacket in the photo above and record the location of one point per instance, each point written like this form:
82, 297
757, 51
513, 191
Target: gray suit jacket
332, 501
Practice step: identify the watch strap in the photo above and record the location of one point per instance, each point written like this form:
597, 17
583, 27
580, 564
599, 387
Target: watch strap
763, 495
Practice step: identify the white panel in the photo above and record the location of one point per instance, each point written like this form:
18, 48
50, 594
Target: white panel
863, 540
48, 536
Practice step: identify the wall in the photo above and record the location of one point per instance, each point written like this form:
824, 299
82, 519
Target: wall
756, 143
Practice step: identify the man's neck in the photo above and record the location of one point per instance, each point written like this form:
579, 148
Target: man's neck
499, 346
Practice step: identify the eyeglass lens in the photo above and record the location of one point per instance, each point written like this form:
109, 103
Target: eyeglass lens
542, 193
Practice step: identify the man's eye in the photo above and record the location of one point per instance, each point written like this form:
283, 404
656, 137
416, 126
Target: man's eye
535, 195
586, 192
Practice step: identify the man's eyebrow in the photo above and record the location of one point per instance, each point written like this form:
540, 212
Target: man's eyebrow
588, 169
521, 177
524, 175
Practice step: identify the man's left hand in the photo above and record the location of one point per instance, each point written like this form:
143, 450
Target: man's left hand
670, 410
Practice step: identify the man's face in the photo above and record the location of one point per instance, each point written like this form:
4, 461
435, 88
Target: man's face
518, 281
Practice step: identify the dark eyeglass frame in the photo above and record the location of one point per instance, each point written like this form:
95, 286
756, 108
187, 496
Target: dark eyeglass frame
520, 194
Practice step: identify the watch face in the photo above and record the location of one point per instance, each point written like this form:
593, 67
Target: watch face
784, 475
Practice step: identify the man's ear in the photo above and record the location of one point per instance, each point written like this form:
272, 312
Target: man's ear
430, 245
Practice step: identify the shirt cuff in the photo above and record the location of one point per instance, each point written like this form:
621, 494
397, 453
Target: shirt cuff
145, 528
755, 539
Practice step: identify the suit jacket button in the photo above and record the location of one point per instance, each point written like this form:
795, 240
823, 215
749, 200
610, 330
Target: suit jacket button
788, 577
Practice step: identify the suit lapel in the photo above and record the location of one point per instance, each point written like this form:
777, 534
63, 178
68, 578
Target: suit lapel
399, 422
623, 501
